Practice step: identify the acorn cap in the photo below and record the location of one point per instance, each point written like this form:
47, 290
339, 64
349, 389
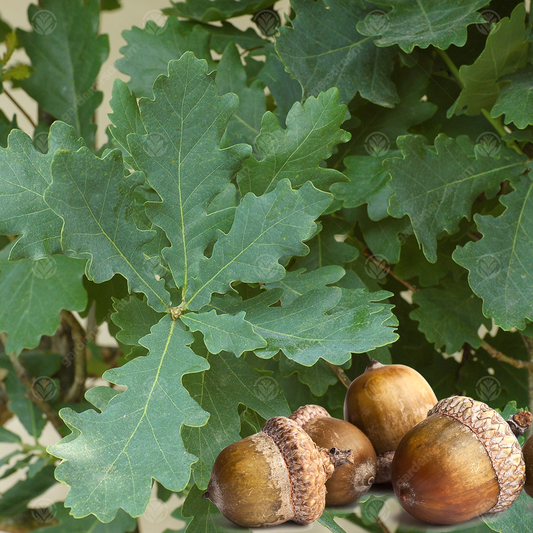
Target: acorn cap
499, 442
306, 413
309, 467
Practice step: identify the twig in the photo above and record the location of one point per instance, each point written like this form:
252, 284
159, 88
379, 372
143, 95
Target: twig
20, 108
25, 378
517, 363
389, 270
382, 525
80, 360
343, 378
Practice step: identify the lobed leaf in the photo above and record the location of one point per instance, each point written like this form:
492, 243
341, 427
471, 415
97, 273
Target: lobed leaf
206, 10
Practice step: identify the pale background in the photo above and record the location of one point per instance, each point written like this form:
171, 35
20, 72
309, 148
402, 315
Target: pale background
134, 13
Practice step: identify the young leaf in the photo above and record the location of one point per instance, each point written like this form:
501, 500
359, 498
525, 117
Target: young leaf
138, 436
94, 198
516, 100
220, 390
33, 294
245, 123
499, 262
24, 176
437, 187
183, 162
207, 10
432, 22
342, 57
449, 316
149, 50
506, 50
67, 524
296, 153
265, 229
66, 53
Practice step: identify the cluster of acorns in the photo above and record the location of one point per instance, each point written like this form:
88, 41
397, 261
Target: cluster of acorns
448, 461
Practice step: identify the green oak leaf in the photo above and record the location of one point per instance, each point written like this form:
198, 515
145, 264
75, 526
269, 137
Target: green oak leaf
449, 316
9, 436
318, 377
513, 520
515, 101
228, 383
224, 332
183, 161
67, 524
227, 33
33, 294
437, 186
94, 197
6, 126
149, 50
422, 23
506, 50
134, 317
342, 57
24, 176
207, 11
138, 437
300, 282
265, 229
499, 263
126, 117
245, 123
328, 323
328, 518
296, 152
284, 88
66, 53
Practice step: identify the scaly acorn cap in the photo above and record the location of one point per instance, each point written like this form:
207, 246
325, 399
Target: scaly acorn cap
499, 442
306, 413
309, 467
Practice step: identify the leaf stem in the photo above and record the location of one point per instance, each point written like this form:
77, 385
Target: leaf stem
80, 360
343, 378
25, 378
451, 65
6, 92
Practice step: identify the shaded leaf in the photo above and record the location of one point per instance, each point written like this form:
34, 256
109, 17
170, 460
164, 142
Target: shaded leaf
206, 10
66, 53
141, 426
318, 377
342, 57
437, 186
296, 153
499, 262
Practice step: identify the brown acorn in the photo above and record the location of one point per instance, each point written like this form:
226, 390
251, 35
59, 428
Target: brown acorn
276, 475
459, 463
350, 481
385, 402
527, 451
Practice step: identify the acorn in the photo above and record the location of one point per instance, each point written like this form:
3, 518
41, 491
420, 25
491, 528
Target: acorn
385, 402
350, 481
276, 475
460, 462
